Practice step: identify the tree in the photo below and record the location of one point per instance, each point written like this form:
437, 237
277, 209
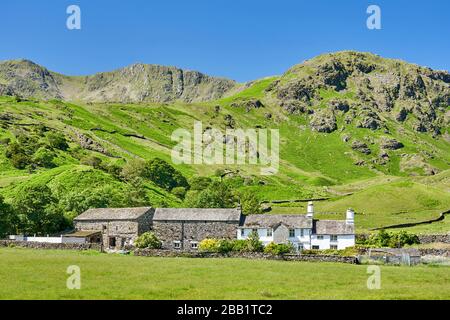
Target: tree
249, 203
179, 192
217, 195
199, 183
44, 158
253, 243
57, 140
6, 218
164, 175
38, 210
134, 168
135, 194
148, 240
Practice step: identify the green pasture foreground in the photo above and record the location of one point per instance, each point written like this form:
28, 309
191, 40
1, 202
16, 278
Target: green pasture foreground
41, 274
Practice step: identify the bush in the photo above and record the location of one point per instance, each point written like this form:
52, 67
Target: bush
392, 240
92, 161
239, 245
253, 243
148, 240
208, 245
44, 158
164, 175
199, 183
20, 160
57, 140
249, 203
278, 249
179, 192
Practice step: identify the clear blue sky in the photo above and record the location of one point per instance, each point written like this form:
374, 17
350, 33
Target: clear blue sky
242, 40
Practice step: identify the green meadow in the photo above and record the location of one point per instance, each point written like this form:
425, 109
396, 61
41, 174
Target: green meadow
39, 274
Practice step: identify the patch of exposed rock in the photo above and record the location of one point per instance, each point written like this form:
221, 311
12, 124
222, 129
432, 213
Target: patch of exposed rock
361, 147
390, 144
323, 120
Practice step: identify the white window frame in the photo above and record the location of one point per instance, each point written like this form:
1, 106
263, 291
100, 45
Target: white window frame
319, 237
194, 244
269, 232
177, 244
314, 247
293, 232
333, 237
242, 232
302, 232
333, 245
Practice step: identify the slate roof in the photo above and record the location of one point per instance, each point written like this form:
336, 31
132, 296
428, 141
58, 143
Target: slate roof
81, 234
333, 227
113, 214
191, 214
274, 220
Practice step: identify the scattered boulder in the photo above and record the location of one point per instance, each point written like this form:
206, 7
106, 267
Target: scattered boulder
248, 104
361, 147
391, 144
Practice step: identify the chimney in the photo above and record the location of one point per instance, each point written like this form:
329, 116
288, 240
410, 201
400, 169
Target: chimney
350, 217
310, 211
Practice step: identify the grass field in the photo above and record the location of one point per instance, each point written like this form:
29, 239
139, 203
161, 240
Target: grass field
39, 274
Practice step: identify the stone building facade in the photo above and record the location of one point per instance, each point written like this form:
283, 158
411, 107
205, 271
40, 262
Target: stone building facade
183, 229
119, 227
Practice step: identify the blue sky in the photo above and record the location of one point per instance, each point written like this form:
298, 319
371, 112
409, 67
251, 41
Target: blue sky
242, 40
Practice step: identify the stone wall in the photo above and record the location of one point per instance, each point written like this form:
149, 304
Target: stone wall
124, 231
445, 238
434, 252
192, 231
42, 245
245, 255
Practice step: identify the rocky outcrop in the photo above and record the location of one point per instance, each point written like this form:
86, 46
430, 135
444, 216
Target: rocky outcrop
323, 120
390, 144
248, 104
361, 147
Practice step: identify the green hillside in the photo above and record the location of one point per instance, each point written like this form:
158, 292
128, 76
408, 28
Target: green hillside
366, 132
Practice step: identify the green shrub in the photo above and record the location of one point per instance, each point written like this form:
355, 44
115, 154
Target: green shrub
20, 160
179, 192
148, 240
57, 140
278, 249
392, 240
239, 245
44, 158
253, 243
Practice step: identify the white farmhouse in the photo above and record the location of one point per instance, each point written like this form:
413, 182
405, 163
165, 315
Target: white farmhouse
303, 231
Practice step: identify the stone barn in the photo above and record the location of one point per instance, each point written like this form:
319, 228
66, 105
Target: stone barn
118, 226
183, 229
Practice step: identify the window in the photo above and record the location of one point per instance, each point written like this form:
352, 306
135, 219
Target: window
301, 233
334, 238
177, 245
269, 232
333, 247
194, 245
315, 247
300, 247
254, 230
112, 242
319, 237
242, 232
291, 233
